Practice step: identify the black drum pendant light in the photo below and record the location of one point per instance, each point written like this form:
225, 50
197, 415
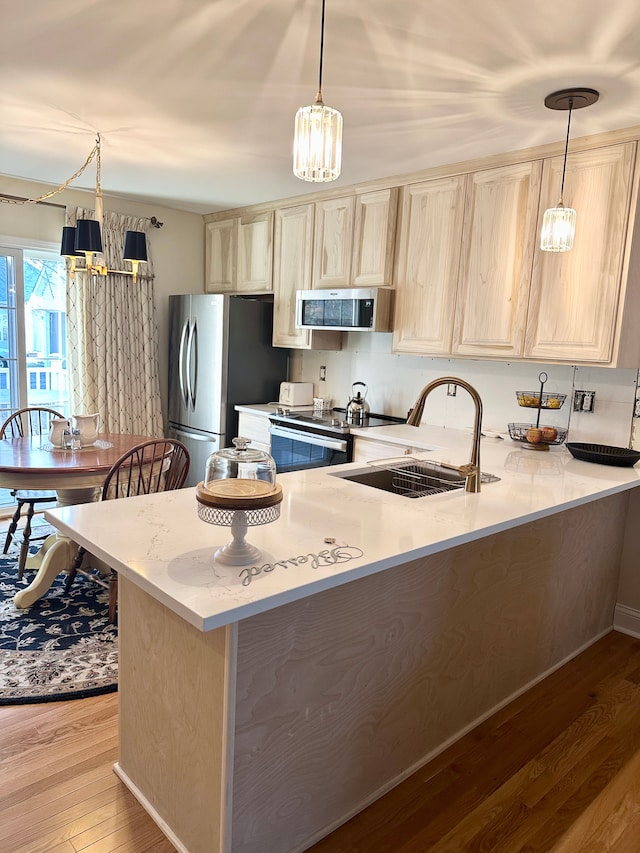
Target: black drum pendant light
68, 248
84, 240
135, 249
559, 223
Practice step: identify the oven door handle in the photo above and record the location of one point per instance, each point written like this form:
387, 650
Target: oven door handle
309, 438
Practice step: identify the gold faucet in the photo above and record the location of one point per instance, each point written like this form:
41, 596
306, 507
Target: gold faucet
472, 470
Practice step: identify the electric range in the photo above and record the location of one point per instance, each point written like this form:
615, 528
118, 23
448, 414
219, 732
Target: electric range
310, 438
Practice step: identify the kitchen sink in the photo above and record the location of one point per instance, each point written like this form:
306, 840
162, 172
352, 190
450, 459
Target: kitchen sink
413, 479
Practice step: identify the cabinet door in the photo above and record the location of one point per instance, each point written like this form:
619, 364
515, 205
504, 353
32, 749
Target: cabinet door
255, 427
333, 242
574, 295
255, 252
293, 240
374, 237
428, 262
367, 450
497, 255
221, 249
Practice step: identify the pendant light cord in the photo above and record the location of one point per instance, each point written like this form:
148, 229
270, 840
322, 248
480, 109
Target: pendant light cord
566, 151
319, 96
98, 164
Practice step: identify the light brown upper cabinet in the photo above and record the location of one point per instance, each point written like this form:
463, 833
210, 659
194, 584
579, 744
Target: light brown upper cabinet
239, 254
498, 242
354, 240
374, 237
255, 252
430, 237
221, 253
333, 244
293, 243
581, 307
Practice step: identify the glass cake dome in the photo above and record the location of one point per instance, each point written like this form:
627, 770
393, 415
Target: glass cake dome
240, 472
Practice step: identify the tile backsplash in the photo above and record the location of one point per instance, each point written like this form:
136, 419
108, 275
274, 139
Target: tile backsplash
395, 381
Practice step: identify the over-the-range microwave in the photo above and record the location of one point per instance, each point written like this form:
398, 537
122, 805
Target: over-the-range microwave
359, 309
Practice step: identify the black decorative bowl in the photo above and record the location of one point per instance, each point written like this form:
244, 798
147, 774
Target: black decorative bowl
604, 454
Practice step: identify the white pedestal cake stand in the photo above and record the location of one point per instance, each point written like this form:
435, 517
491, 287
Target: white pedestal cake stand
239, 504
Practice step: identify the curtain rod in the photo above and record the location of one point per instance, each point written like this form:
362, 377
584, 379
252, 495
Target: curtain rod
155, 222
20, 198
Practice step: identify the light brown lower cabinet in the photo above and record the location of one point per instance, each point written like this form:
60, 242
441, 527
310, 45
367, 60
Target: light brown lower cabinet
256, 428
366, 450
264, 734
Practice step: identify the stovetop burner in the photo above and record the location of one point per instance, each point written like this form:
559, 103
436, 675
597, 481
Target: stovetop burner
333, 420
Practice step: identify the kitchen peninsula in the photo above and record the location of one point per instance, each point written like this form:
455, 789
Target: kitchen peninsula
261, 706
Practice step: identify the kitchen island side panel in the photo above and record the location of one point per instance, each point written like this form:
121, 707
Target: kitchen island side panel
176, 689
343, 694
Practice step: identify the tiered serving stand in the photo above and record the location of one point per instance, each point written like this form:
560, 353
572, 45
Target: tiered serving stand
527, 434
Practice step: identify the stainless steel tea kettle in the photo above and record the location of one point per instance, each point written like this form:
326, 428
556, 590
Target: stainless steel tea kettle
357, 407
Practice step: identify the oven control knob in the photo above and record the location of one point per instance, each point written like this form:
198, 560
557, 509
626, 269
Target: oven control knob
335, 422
344, 424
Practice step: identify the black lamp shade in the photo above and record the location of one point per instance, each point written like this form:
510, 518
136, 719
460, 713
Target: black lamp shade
135, 246
68, 247
88, 237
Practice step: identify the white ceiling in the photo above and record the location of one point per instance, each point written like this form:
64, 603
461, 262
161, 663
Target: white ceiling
195, 99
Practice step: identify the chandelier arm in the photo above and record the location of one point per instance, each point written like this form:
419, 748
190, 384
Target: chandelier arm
95, 150
566, 151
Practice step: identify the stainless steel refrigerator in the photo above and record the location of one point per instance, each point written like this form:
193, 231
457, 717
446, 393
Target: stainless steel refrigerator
220, 355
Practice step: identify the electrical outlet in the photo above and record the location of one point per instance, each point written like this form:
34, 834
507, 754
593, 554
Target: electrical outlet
452, 389
323, 373
584, 401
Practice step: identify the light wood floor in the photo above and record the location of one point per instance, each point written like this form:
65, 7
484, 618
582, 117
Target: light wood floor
557, 770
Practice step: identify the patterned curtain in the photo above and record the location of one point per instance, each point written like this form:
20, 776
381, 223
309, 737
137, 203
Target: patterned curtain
112, 337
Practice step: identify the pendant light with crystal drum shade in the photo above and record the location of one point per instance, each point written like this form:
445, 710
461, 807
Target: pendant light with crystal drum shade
559, 223
317, 141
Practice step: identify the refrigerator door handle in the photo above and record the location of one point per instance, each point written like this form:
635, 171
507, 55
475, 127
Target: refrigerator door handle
188, 361
193, 353
181, 364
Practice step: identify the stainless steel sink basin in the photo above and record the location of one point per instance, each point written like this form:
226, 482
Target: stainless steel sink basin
413, 479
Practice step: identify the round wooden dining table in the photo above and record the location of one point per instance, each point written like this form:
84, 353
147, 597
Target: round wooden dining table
30, 462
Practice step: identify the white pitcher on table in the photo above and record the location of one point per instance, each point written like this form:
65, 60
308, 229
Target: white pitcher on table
57, 426
88, 426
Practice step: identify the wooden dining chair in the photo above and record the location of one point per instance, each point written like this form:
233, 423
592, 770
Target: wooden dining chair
159, 465
32, 420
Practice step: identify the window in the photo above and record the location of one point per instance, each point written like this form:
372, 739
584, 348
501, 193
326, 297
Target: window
33, 363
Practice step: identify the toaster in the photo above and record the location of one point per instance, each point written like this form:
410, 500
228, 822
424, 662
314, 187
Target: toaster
296, 394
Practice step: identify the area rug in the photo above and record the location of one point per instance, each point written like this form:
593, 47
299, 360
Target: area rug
62, 647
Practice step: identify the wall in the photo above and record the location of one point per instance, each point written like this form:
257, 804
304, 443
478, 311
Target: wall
177, 249
396, 380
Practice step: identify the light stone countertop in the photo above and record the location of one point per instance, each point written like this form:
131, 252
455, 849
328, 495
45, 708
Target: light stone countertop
159, 543
267, 408
258, 408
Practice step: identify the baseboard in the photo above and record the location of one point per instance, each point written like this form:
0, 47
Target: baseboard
146, 805
627, 620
